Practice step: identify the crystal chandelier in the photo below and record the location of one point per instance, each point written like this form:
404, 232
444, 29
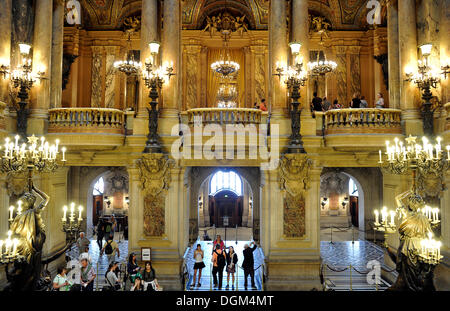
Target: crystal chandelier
227, 93
321, 66
128, 66
225, 67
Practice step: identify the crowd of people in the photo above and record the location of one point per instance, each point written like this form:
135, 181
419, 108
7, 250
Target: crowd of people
225, 258
358, 101
133, 278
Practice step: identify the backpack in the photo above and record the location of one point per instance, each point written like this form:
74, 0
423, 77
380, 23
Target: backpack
108, 228
220, 259
108, 248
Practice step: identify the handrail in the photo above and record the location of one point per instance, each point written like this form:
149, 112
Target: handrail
86, 120
225, 115
362, 120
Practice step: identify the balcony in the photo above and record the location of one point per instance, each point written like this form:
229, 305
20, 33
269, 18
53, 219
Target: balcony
359, 129
223, 116
87, 126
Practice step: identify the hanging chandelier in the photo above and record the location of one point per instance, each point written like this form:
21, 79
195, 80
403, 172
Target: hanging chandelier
226, 96
128, 66
321, 66
225, 67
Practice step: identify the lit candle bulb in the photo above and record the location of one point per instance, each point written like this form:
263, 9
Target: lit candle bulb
64, 219
80, 209
19, 208
376, 217
392, 218
64, 154
448, 153
72, 211
11, 213
379, 152
15, 244
17, 140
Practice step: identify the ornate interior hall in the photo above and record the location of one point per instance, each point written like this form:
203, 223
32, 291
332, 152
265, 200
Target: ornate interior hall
317, 130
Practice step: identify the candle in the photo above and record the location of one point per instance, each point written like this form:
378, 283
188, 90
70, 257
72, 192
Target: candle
15, 243
72, 211
379, 152
80, 209
11, 212
64, 154
376, 217
64, 219
448, 153
17, 141
392, 218
19, 209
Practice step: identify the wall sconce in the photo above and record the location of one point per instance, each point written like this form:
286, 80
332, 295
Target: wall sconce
108, 201
324, 202
344, 203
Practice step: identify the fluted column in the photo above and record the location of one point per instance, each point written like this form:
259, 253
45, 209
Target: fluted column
149, 33
278, 53
171, 54
42, 51
5, 43
57, 54
300, 33
409, 95
393, 55
445, 47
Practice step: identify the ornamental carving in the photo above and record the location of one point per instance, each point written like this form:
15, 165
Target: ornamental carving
16, 183
226, 24
155, 179
293, 179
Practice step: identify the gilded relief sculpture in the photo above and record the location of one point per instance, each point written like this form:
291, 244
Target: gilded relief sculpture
155, 179
293, 179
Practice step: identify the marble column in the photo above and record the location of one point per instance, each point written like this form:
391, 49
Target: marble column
42, 51
278, 53
409, 94
192, 72
149, 33
171, 54
393, 55
445, 47
57, 54
5, 44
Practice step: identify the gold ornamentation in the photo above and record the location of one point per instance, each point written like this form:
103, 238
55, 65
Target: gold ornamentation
226, 24
155, 179
293, 179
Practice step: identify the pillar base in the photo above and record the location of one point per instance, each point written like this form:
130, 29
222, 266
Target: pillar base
292, 275
37, 123
412, 123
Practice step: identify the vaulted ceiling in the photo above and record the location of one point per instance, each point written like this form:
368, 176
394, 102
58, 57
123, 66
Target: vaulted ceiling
110, 14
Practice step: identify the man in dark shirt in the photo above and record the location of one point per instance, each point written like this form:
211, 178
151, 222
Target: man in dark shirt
249, 264
317, 103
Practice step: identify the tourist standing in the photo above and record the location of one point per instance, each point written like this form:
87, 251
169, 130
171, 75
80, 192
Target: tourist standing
82, 243
87, 276
110, 249
85, 255
326, 104
220, 242
219, 261
363, 103
249, 264
232, 260
100, 233
199, 265
60, 282
356, 101
336, 104
316, 103
263, 106
380, 101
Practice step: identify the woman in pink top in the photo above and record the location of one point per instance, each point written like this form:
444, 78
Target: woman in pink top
220, 242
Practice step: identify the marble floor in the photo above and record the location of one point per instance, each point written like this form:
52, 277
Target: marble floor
206, 279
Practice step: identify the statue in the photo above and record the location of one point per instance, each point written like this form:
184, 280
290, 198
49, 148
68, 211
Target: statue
29, 228
414, 275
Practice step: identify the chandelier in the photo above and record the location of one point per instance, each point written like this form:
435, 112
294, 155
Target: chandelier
323, 66
128, 66
73, 226
227, 92
225, 67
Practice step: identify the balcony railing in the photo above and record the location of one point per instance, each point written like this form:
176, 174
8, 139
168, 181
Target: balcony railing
363, 121
225, 115
86, 120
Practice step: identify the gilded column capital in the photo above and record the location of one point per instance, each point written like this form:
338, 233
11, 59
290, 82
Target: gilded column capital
354, 50
340, 49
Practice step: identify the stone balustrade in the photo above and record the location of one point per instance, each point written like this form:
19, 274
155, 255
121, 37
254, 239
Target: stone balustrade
363, 121
225, 116
447, 123
86, 120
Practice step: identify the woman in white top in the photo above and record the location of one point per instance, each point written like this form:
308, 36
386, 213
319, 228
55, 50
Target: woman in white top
380, 102
112, 280
60, 282
199, 265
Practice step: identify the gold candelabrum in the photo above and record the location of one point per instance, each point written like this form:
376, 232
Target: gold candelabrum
35, 155
420, 159
72, 225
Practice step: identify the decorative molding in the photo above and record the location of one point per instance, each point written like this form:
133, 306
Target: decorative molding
293, 179
154, 169
16, 183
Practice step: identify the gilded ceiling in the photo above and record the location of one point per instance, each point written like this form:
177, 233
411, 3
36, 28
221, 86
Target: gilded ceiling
110, 14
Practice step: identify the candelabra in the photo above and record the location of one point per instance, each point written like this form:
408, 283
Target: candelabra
295, 77
73, 226
154, 78
26, 157
427, 78
23, 79
417, 218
